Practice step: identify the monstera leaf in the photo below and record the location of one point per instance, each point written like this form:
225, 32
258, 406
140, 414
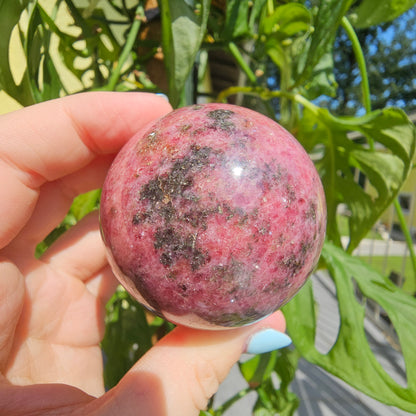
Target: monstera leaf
351, 357
10, 12
382, 153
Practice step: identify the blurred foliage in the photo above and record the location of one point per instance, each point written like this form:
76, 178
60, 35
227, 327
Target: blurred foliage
275, 55
390, 51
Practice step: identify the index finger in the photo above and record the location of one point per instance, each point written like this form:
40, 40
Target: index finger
50, 140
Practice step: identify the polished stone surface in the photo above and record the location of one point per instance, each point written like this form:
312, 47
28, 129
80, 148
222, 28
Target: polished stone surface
213, 216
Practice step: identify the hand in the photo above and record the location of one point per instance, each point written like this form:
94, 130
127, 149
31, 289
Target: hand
52, 308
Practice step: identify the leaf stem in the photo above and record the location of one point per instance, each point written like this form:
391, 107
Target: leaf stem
225, 406
242, 62
128, 46
359, 56
266, 94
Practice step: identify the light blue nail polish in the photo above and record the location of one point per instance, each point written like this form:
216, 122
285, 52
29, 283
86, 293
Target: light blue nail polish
160, 94
267, 340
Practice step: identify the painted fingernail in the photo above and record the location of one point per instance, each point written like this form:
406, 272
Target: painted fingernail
160, 94
267, 340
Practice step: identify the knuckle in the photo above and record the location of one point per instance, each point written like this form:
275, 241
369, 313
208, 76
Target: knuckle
206, 382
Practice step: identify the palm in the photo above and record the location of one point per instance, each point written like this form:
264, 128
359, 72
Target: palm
61, 323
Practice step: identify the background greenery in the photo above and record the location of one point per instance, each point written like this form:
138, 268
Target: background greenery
297, 59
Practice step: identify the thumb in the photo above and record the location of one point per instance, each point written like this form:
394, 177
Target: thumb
184, 369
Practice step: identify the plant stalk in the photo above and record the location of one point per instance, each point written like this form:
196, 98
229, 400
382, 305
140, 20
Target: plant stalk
242, 63
359, 56
125, 53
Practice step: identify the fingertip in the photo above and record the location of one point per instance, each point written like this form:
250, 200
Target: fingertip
276, 320
267, 340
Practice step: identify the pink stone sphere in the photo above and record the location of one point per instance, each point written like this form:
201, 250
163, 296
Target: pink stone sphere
213, 216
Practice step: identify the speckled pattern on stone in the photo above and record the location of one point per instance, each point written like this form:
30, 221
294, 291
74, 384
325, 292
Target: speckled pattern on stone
213, 216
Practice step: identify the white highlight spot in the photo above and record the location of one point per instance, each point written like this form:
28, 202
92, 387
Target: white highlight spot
237, 171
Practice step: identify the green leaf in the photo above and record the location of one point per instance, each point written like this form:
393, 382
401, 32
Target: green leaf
265, 404
236, 19
127, 337
326, 23
81, 206
285, 367
258, 368
88, 11
272, 401
33, 46
101, 46
85, 203
254, 15
10, 12
286, 21
276, 53
51, 82
109, 50
263, 411
44, 78
351, 357
322, 81
182, 33
280, 35
258, 373
65, 47
375, 12
386, 168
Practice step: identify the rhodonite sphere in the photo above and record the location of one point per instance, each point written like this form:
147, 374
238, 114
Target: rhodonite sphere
213, 216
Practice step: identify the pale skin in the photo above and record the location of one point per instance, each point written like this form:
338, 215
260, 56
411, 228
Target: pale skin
52, 308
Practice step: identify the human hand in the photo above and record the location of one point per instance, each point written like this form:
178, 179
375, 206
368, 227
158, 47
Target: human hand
52, 308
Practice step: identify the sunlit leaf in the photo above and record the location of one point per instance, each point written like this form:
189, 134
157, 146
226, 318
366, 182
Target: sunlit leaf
183, 31
286, 21
322, 81
10, 12
374, 12
85, 203
101, 46
256, 11
44, 78
279, 33
65, 47
385, 168
326, 23
258, 368
272, 401
351, 357
236, 19
127, 337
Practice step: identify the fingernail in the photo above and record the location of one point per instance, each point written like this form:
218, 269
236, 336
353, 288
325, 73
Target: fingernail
267, 340
160, 94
